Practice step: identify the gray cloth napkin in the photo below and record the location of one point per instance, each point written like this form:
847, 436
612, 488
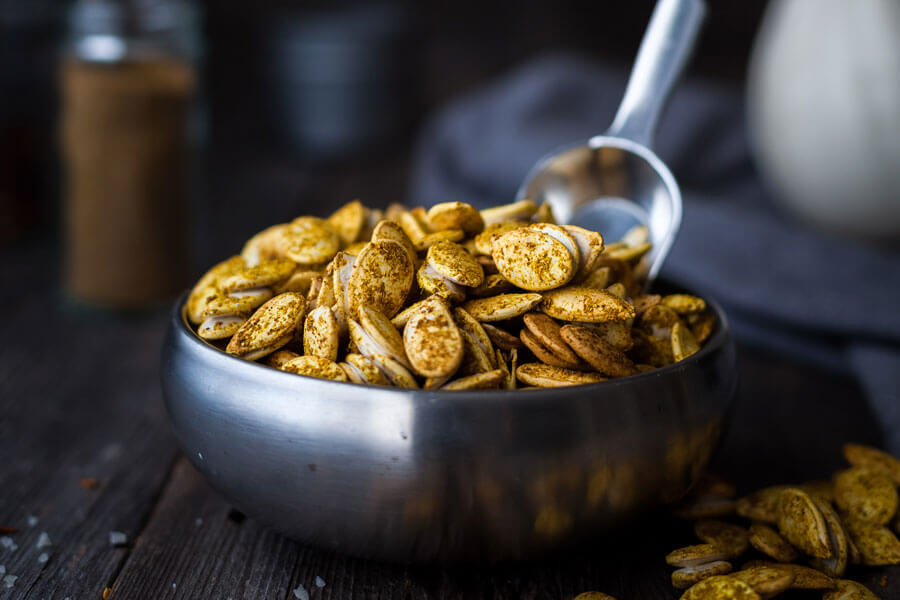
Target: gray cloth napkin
827, 300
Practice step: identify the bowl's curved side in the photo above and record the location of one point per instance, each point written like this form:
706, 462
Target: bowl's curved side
415, 476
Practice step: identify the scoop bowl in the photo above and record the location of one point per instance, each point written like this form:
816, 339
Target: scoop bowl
422, 476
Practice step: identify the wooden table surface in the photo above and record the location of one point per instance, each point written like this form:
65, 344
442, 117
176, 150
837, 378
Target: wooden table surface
79, 398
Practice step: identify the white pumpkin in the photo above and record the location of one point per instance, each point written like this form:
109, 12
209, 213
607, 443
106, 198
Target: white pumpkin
824, 112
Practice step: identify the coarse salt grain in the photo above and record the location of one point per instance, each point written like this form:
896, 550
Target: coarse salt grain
8, 543
43, 558
10, 580
32, 520
198, 521
320, 582
300, 593
117, 538
43, 540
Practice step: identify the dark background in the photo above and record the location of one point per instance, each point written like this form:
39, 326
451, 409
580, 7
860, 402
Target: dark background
450, 48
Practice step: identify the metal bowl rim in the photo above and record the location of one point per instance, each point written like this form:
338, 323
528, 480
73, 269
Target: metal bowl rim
719, 338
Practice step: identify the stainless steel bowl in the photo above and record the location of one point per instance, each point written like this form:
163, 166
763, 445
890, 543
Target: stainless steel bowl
414, 475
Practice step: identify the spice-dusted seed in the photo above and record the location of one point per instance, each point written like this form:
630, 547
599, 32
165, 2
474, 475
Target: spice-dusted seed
502, 307
873, 459
383, 333
517, 211
548, 356
381, 279
541, 375
448, 235
732, 539
484, 240
684, 343
315, 366
280, 358
455, 215
644, 302
501, 338
590, 246
837, 541
488, 380
650, 349
767, 581
592, 348
509, 378
394, 371
658, 320
637, 235
866, 495
433, 342
206, 287
431, 282
300, 281
362, 370
478, 347
845, 589
877, 545
806, 578
687, 576
309, 241
269, 328
615, 333
544, 214
265, 245
452, 262
536, 257
270, 272
761, 505
321, 334
698, 554
493, 285
391, 231
220, 327
349, 221
578, 303
593, 596
684, 304
547, 332
414, 229
629, 254
822, 490
801, 523
617, 289
769, 542
721, 587
702, 325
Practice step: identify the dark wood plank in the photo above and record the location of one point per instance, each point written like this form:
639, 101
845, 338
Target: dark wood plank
79, 398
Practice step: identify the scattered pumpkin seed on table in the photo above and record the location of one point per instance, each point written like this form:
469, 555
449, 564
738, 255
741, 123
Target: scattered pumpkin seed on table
811, 536
451, 297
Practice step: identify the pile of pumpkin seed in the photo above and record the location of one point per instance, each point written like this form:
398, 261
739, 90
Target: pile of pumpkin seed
450, 298
802, 537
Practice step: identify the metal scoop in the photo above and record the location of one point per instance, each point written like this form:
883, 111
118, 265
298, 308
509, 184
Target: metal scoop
615, 181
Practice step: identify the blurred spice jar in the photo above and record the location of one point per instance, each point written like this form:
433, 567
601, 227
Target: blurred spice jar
128, 82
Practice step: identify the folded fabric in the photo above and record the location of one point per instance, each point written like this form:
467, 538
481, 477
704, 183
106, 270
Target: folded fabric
818, 298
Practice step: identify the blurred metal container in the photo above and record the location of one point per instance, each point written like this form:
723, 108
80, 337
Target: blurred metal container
343, 80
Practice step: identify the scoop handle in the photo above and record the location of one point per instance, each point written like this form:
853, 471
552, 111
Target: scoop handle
664, 51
